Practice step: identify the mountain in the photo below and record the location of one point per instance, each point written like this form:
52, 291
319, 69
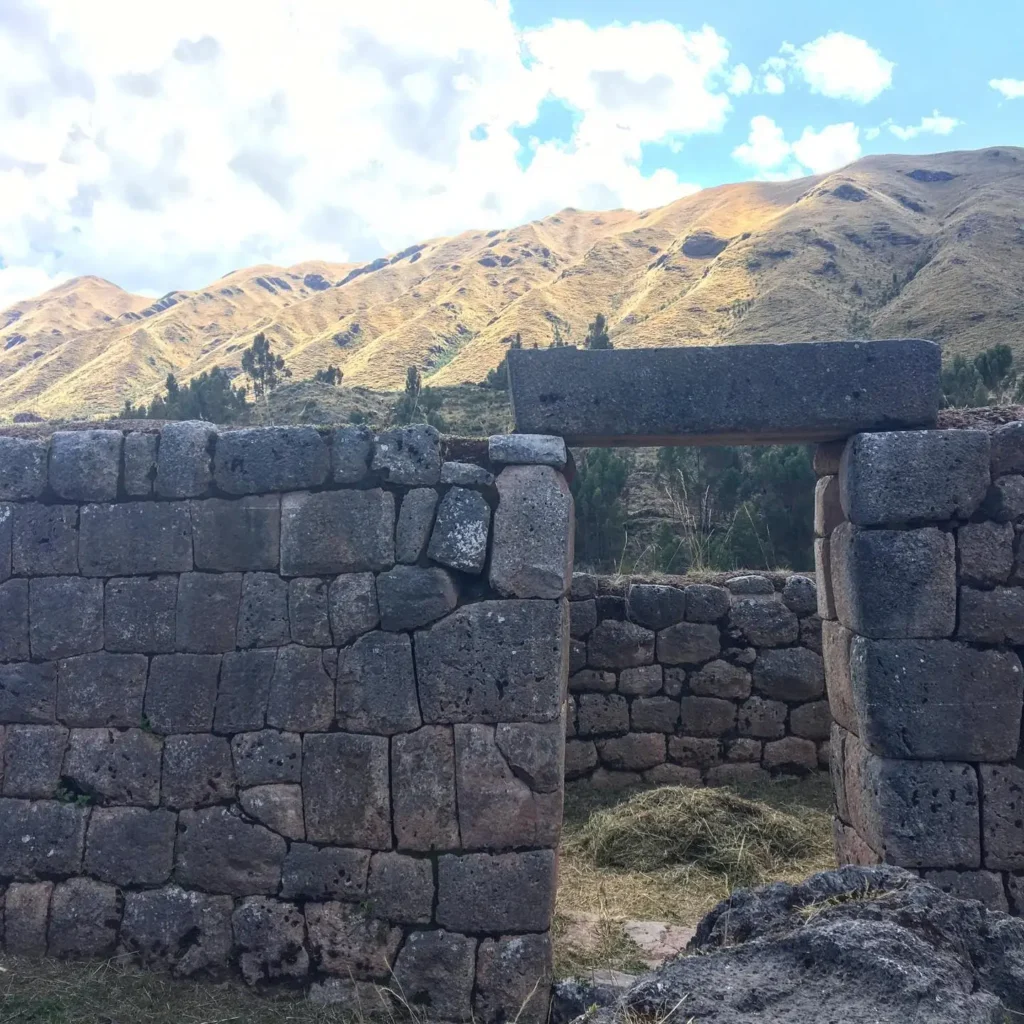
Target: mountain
926, 246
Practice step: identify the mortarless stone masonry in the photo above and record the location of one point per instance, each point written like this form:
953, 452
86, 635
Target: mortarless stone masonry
260, 708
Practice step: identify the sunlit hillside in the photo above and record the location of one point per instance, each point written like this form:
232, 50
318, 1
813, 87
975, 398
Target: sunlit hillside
889, 246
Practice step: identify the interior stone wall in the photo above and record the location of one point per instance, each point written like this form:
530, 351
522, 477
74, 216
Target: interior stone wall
287, 703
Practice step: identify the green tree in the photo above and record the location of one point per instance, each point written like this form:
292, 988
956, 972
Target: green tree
498, 377
210, 396
994, 366
263, 368
597, 334
418, 404
332, 375
597, 490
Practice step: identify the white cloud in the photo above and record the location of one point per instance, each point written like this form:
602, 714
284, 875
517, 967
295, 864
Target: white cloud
1011, 88
840, 66
937, 124
164, 159
772, 81
766, 146
740, 80
767, 150
834, 146
17, 283
773, 84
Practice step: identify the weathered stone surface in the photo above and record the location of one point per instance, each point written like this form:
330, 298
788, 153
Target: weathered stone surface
694, 753
750, 586
992, 616
985, 552
577, 656
836, 656
14, 639
28, 693
513, 979
744, 748
423, 785
353, 606
688, 643
45, 540
301, 691
409, 597
984, 886
327, 873
84, 918
130, 846
139, 614
85, 464
582, 618
400, 889
279, 807
376, 685
616, 644
810, 633
465, 474
812, 721
763, 621
6, 529
415, 521
206, 619
800, 595
705, 603
720, 679
263, 611
791, 753
765, 719
134, 538
828, 509
351, 447
1005, 499
737, 775
65, 615
265, 459
244, 690
197, 771
533, 533
583, 586
435, 970
823, 579
580, 758
793, 673
590, 680
359, 997
307, 612
827, 457
33, 757
345, 788
43, 838
101, 689
642, 681
184, 932
346, 942
266, 757
894, 583
527, 450
271, 936
408, 455
706, 716
183, 459
22, 468
139, 463
182, 692
494, 661
221, 853
534, 751
603, 781
655, 606
459, 537
672, 775
337, 532
654, 714
114, 766
1007, 449
602, 714
26, 911
237, 536
935, 699
634, 752
1002, 792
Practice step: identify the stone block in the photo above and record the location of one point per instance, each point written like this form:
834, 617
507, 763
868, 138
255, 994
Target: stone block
139, 614
461, 529
409, 597
602, 714
810, 633
706, 716
376, 685
324, 873
688, 643
264, 459
527, 450
534, 752
206, 619
408, 455
744, 749
828, 509
22, 468
533, 533
721, 679
1005, 499
186, 933
114, 766
40, 839
823, 579
308, 613
337, 532
351, 448
436, 970
353, 606
583, 586
1002, 830
800, 595
913, 475
894, 583
14, 638
497, 893
793, 674
33, 757
197, 771
827, 457
1015, 892
812, 721
301, 692
45, 540
182, 692
790, 754
423, 786
140, 463
28, 693
936, 699
850, 846
183, 463
992, 616
634, 752
465, 474
654, 714
590, 680
65, 616
984, 886
765, 719
836, 657
101, 689
641, 681
614, 644
582, 618
693, 752
750, 586
706, 603
244, 690
985, 552
838, 739
513, 979
130, 846
85, 464
415, 522
237, 536
737, 775
1007, 449
279, 807
400, 889
26, 912
672, 775
655, 607
345, 941
220, 853
763, 621
265, 757
271, 937
6, 529
345, 787
577, 656
494, 661
134, 538
580, 758
84, 919
263, 611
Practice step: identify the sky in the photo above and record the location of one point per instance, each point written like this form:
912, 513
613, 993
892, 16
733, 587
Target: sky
162, 145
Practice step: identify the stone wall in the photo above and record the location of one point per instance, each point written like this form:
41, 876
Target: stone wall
922, 588
696, 683
286, 703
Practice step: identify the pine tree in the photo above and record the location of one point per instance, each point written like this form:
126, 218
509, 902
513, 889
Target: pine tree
597, 334
262, 367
